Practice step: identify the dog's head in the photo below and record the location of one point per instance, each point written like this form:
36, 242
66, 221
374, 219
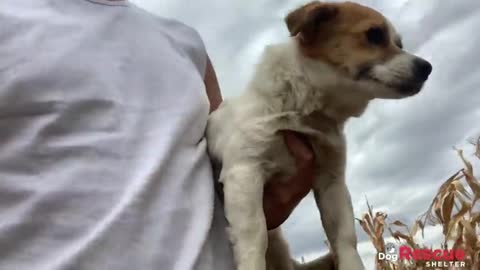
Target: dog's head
360, 46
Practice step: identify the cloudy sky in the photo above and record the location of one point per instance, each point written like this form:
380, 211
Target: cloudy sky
399, 151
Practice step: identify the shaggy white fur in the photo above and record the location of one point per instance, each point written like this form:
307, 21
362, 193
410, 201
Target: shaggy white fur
243, 135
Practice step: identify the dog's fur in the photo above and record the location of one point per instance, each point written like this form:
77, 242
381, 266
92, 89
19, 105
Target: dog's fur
340, 57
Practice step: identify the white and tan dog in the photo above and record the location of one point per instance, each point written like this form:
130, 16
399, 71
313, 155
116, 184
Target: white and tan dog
340, 57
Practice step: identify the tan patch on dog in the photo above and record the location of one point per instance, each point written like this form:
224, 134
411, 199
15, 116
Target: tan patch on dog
336, 34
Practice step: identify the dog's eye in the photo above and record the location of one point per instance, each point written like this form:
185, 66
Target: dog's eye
376, 35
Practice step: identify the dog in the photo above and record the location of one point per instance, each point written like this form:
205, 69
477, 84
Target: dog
340, 56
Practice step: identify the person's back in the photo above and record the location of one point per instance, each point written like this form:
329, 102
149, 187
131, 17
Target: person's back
103, 161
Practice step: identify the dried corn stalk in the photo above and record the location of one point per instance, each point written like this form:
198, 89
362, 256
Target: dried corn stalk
454, 207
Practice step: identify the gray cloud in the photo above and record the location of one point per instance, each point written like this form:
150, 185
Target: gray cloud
399, 151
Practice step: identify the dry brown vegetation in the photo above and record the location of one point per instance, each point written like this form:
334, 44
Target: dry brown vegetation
455, 207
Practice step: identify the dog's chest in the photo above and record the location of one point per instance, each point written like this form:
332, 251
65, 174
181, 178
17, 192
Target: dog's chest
330, 148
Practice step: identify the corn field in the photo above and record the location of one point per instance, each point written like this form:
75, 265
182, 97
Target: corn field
455, 207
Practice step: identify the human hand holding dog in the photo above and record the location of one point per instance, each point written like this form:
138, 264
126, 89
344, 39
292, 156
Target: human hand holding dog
281, 197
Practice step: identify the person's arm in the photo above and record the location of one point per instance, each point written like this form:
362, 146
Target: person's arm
280, 198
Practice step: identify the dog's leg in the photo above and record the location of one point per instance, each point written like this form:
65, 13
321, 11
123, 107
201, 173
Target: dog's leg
278, 256
334, 202
243, 191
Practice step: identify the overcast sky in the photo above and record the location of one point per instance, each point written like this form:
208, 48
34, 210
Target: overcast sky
399, 151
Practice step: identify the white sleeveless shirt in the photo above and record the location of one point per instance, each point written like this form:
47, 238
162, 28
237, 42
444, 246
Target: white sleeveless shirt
103, 161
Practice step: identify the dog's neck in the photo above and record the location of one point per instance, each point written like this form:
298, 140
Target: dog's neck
287, 81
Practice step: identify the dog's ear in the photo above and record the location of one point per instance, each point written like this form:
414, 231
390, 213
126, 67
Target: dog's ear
308, 19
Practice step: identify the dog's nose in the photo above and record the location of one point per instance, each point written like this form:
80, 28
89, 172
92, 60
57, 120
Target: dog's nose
422, 69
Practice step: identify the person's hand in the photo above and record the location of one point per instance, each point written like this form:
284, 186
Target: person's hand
280, 196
